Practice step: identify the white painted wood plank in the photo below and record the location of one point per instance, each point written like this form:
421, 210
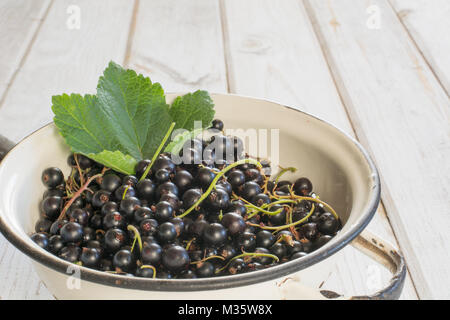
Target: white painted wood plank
179, 44
60, 60
19, 22
64, 60
429, 25
273, 53
401, 113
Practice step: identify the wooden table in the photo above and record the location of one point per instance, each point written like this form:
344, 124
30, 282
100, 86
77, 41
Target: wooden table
379, 70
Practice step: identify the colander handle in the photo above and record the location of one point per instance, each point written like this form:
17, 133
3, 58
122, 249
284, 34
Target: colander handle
375, 248
5, 146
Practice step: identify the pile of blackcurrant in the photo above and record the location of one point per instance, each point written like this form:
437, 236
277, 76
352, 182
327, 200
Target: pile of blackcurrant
208, 216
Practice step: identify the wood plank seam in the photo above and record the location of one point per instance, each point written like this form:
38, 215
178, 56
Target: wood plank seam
351, 120
414, 42
131, 32
25, 55
225, 41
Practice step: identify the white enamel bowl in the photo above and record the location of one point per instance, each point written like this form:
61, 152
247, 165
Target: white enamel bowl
340, 169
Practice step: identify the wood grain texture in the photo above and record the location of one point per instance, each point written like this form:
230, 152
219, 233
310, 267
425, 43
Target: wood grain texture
178, 43
60, 60
19, 22
64, 60
401, 114
429, 25
273, 53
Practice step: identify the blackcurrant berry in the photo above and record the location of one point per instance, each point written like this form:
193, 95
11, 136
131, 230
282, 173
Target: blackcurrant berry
72, 232
41, 239
151, 253
110, 182
166, 232
215, 235
43, 225
124, 260
234, 223
303, 186
163, 211
90, 257
52, 177
175, 258
264, 239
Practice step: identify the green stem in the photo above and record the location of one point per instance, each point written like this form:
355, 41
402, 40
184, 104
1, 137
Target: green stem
163, 142
286, 225
210, 257
283, 171
249, 254
270, 213
136, 234
147, 266
213, 183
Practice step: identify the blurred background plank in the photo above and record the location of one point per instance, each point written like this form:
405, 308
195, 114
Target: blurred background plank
273, 53
401, 113
179, 44
429, 25
19, 23
64, 60
60, 60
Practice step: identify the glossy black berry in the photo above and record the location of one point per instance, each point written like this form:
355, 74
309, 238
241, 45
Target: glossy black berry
146, 189
100, 197
113, 220
327, 223
148, 227
109, 207
163, 162
204, 269
80, 216
175, 258
165, 188
190, 197
234, 223
110, 182
70, 253
215, 235
236, 178
279, 249
204, 177
142, 213
145, 272
90, 257
43, 225
114, 239
217, 124
41, 239
128, 206
309, 230
71, 232
163, 211
303, 186
166, 232
218, 200
124, 191
183, 180
51, 207
246, 241
124, 260
151, 253
52, 177
141, 166
249, 189
55, 244
56, 226
236, 266
264, 239
130, 180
